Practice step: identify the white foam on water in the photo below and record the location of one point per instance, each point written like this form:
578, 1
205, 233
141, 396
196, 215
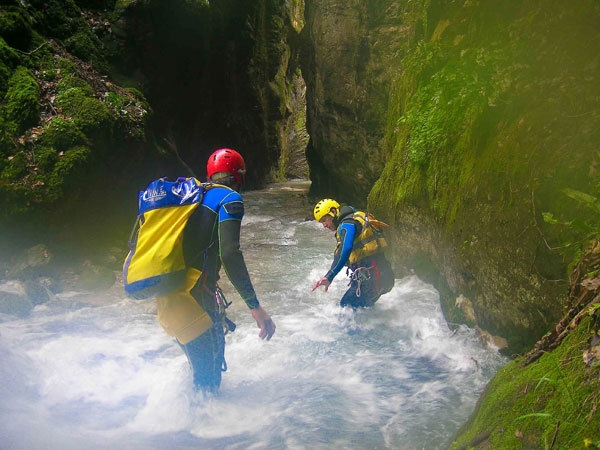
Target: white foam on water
95, 371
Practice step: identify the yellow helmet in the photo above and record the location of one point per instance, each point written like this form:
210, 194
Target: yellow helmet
324, 207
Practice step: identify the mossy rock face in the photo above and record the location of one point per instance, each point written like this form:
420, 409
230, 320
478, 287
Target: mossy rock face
7, 145
89, 114
552, 393
61, 134
15, 29
86, 46
22, 99
68, 81
552, 400
57, 18
128, 108
487, 173
15, 168
66, 67
46, 158
68, 171
95, 120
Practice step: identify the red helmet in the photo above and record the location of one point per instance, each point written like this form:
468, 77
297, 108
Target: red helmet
229, 161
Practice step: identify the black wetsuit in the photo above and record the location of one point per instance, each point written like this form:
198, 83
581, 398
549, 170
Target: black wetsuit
211, 241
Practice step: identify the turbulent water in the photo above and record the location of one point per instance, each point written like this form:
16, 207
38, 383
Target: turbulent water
95, 371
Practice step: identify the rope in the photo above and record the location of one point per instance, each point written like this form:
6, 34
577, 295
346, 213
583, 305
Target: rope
359, 275
222, 305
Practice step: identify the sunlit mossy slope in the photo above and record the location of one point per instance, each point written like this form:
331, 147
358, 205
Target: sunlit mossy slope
548, 398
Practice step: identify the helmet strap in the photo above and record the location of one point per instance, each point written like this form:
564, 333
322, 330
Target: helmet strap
336, 216
228, 181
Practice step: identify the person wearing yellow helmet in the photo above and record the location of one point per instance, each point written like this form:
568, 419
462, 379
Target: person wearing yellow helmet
361, 247
327, 206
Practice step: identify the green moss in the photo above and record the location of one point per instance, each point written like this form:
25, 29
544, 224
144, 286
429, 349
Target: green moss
61, 134
13, 198
130, 110
68, 171
46, 158
552, 399
15, 28
7, 144
67, 67
94, 119
123, 4
5, 73
86, 46
15, 168
89, 114
57, 18
47, 70
69, 81
96, 4
71, 99
23, 99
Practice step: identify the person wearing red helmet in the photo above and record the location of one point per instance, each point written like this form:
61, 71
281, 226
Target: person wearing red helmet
211, 240
226, 166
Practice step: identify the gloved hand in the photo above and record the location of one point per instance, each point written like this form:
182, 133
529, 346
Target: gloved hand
264, 322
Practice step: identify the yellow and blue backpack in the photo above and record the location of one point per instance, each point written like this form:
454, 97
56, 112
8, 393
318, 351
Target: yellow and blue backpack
155, 264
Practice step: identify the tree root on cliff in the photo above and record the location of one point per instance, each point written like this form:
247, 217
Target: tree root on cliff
584, 292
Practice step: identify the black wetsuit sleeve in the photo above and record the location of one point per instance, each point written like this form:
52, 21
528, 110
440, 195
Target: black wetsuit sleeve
233, 262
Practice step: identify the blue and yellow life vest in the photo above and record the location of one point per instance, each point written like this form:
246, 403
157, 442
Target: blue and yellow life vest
370, 240
155, 264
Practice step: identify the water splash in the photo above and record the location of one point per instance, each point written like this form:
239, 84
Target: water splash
96, 371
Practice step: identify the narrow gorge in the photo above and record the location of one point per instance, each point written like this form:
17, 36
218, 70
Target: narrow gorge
470, 127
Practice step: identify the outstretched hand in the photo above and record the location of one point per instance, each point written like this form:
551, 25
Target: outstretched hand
322, 282
264, 322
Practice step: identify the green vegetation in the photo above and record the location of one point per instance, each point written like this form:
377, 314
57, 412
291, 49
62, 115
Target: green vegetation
90, 115
449, 105
68, 171
15, 28
488, 142
58, 116
577, 230
551, 403
493, 154
22, 100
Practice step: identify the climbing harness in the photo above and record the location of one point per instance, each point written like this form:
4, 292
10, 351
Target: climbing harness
222, 304
228, 325
359, 275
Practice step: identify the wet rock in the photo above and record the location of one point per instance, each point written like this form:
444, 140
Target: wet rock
31, 263
497, 342
14, 300
36, 292
113, 258
466, 306
591, 356
88, 277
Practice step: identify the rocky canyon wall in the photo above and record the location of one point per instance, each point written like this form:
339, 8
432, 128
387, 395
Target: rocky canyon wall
478, 123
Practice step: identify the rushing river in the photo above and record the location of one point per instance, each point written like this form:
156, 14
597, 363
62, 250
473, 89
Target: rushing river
96, 371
